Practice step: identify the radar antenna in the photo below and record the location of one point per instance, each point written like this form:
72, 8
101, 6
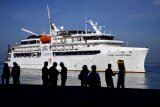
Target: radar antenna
95, 27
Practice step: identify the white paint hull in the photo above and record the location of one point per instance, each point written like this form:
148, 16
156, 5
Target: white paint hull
133, 58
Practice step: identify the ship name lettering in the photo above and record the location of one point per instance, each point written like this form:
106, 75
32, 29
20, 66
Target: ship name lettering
119, 55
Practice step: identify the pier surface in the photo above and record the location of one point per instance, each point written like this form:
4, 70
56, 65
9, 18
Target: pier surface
75, 96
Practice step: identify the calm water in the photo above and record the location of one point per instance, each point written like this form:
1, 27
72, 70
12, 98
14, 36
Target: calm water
148, 80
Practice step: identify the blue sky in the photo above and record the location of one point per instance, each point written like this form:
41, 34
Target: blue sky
134, 21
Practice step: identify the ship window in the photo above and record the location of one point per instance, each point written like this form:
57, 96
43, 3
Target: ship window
79, 39
77, 53
33, 42
23, 42
29, 42
38, 41
26, 54
102, 37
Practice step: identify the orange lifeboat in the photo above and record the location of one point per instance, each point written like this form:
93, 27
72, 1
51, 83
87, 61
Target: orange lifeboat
45, 39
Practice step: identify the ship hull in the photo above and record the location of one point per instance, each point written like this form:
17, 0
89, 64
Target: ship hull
134, 59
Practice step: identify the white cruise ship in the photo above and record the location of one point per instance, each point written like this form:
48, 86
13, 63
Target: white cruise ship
76, 48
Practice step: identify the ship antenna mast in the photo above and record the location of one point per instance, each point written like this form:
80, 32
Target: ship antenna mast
85, 17
49, 18
53, 29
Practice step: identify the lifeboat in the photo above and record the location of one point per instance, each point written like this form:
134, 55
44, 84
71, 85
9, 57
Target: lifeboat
45, 38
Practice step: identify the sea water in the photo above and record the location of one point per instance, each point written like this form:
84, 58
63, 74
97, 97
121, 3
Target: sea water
148, 80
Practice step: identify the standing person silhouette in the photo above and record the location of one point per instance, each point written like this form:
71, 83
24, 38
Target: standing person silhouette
83, 76
15, 73
6, 74
53, 74
108, 76
121, 76
94, 79
63, 74
45, 73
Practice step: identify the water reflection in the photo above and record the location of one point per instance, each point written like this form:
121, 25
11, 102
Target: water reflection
152, 76
133, 80
148, 80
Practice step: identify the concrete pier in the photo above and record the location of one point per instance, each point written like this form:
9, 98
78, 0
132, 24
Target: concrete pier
75, 96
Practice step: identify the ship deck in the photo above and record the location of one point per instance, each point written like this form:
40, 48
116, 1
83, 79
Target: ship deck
75, 96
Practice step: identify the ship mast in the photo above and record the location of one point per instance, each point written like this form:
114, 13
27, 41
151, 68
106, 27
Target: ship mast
49, 19
53, 29
85, 16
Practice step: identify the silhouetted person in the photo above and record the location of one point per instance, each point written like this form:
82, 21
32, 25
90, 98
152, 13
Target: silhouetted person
63, 74
121, 76
83, 76
94, 79
45, 73
108, 76
6, 74
15, 73
53, 74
